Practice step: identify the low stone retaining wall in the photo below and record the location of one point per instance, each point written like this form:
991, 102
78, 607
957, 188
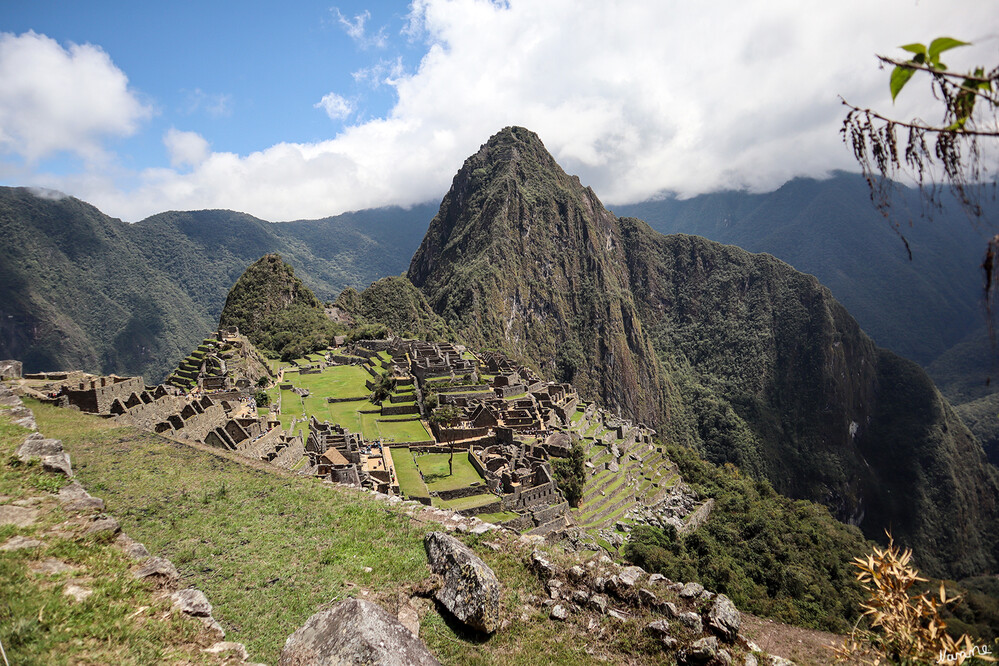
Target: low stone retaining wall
353, 399
485, 508
400, 409
697, 517
461, 493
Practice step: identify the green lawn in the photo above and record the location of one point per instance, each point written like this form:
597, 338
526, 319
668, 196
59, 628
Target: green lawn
394, 430
410, 482
435, 471
341, 381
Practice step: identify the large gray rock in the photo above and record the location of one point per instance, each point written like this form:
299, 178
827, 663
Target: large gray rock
691, 590
102, 525
724, 618
18, 516
132, 548
10, 369
23, 417
58, 464
38, 447
355, 632
156, 568
702, 651
470, 590
628, 576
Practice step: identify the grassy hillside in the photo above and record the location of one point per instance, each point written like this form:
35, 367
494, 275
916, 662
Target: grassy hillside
117, 620
270, 550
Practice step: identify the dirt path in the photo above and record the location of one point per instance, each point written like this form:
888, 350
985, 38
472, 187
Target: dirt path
805, 647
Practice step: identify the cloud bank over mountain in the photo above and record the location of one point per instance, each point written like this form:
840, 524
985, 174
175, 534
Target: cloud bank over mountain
637, 99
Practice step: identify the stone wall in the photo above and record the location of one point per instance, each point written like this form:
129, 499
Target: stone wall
697, 517
492, 507
521, 523
400, 409
97, 395
459, 493
545, 514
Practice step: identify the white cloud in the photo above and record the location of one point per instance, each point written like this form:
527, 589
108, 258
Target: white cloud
55, 99
185, 148
335, 106
384, 72
635, 98
216, 105
356, 31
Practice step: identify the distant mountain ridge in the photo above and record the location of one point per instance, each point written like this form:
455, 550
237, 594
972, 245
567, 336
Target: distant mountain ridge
829, 228
81, 289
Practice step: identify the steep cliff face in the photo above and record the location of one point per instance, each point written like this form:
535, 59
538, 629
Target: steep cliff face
779, 379
733, 353
523, 258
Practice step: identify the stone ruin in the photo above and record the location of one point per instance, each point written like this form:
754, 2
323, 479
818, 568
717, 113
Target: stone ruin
511, 427
345, 457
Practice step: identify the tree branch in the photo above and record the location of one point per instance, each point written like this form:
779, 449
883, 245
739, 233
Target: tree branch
922, 127
993, 76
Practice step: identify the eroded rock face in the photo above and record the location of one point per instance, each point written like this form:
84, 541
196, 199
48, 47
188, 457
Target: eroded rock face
355, 632
724, 618
470, 590
192, 602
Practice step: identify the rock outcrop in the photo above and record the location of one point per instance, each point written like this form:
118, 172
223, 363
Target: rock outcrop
355, 632
470, 590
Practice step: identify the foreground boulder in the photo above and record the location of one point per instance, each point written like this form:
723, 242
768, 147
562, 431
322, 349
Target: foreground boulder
355, 632
470, 590
724, 618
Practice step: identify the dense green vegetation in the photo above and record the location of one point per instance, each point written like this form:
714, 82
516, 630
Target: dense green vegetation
927, 308
278, 313
772, 556
397, 305
919, 308
570, 473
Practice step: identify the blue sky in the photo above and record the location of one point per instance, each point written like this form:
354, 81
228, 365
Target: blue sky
247, 75
306, 109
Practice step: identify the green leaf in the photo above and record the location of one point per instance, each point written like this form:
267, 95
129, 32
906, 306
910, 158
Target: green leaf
914, 48
941, 44
899, 77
